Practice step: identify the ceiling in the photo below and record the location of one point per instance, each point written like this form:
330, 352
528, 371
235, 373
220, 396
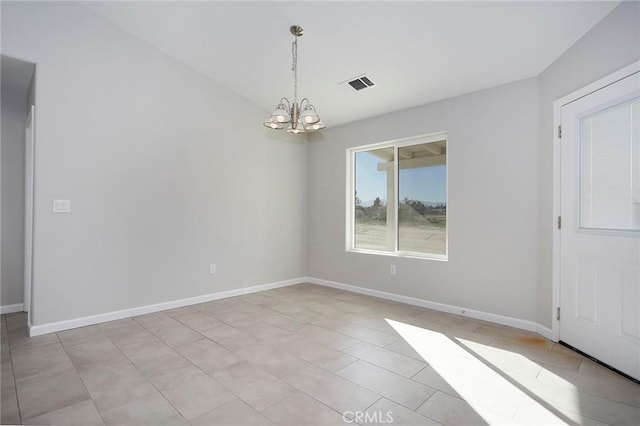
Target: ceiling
415, 52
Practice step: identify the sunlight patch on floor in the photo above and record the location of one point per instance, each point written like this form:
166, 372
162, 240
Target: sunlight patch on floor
474, 371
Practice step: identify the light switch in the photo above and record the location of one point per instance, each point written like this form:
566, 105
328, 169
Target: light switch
62, 206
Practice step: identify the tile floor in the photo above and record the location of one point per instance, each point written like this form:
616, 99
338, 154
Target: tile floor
303, 355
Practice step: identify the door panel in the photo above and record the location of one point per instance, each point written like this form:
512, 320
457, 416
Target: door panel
600, 235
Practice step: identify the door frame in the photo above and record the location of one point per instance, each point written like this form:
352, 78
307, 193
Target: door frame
557, 172
29, 192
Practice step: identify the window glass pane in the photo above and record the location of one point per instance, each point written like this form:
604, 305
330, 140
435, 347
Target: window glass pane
374, 200
610, 168
422, 205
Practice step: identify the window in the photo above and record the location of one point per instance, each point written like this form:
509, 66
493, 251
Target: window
399, 207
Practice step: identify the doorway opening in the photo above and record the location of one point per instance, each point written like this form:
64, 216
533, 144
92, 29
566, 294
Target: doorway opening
17, 81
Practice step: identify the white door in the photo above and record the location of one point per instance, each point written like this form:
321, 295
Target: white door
28, 207
600, 228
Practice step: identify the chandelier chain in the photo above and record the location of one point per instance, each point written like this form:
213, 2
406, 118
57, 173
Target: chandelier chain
294, 68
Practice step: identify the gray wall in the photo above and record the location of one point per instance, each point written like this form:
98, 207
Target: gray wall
500, 185
492, 203
166, 171
166, 175
609, 46
14, 106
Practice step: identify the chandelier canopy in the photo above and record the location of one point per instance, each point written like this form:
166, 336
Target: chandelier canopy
300, 117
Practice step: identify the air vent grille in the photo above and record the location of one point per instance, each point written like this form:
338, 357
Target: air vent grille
361, 82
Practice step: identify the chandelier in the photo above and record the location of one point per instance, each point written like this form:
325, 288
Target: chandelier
300, 117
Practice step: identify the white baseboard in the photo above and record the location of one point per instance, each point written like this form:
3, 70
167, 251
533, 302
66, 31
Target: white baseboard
9, 309
545, 332
442, 307
37, 330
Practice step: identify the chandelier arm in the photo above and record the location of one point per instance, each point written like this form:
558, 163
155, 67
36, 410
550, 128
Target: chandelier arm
285, 101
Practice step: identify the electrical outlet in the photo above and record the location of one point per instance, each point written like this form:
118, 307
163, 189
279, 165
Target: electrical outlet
392, 269
212, 268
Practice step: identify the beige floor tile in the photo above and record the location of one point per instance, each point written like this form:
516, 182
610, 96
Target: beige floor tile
175, 334
94, 354
388, 412
9, 413
605, 410
166, 362
81, 414
458, 322
129, 333
544, 356
154, 357
428, 376
51, 391
320, 355
21, 340
368, 335
449, 410
332, 390
327, 337
81, 335
511, 363
182, 310
326, 307
191, 391
280, 363
391, 386
36, 360
16, 321
319, 320
300, 409
593, 369
500, 371
366, 320
208, 355
386, 359
198, 321
256, 298
535, 413
231, 316
112, 387
230, 337
403, 348
157, 319
109, 325
234, 413
283, 308
253, 385
464, 336
625, 392
209, 307
7, 381
241, 305
264, 331
360, 306
282, 320
151, 410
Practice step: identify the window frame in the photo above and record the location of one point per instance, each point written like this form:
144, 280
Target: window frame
350, 196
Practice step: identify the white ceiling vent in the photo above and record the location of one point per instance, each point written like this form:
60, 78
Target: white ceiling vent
359, 83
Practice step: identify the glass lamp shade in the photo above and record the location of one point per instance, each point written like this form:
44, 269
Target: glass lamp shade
296, 130
309, 116
273, 125
315, 126
280, 114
